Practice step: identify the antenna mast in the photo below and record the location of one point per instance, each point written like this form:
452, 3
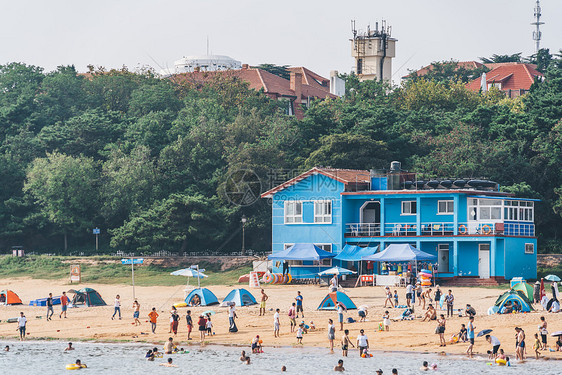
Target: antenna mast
537, 35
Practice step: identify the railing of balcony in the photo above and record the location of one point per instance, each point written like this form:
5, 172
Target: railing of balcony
440, 229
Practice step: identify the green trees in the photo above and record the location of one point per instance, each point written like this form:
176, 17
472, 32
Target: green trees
65, 189
154, 162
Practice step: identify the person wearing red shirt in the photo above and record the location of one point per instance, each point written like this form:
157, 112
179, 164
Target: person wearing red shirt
64, 304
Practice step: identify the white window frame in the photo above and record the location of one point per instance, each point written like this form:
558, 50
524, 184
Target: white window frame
532, 246
448, 204
323, 217
323, 263
409, 203
294, 218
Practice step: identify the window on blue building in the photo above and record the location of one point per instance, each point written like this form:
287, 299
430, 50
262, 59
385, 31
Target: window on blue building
445, 207
409, 208
293, 212
323, 211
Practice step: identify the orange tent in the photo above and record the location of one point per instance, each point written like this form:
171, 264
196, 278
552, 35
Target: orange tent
11, 297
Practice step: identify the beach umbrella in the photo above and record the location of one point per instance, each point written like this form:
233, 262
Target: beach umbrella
336, 271
483, 332
557, 333
189, 272
552, 278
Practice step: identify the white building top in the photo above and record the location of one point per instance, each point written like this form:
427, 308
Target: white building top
209, 63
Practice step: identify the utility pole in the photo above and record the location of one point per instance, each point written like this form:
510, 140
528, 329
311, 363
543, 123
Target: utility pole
243, 220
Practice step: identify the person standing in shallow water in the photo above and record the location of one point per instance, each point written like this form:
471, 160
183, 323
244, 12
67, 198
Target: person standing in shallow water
331, 334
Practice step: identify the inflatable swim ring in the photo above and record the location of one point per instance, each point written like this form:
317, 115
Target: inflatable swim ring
366, 355
74, 366
463, 229
501, 362
486, 229
180, 304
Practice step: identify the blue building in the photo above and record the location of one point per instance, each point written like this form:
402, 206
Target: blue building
474, 229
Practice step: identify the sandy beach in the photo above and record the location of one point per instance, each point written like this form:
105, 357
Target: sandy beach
415, 336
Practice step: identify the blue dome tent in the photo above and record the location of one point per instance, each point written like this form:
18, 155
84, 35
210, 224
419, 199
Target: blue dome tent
332, 299
241, 297
206, 297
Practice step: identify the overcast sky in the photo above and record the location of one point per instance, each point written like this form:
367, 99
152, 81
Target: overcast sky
315, 34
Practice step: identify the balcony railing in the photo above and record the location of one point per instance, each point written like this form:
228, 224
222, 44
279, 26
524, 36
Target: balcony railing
440, 229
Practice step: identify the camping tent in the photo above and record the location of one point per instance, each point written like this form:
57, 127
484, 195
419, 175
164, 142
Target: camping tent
302, 251
86, 296
332, 299
206, 297
241, 297
400, 253
11, 297
524, 288
516, 298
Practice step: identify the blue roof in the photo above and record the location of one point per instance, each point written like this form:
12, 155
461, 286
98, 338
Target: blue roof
400, 253
301, 251
507, 198
353, 253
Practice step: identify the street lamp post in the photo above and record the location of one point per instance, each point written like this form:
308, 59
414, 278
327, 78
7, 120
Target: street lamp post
243, 220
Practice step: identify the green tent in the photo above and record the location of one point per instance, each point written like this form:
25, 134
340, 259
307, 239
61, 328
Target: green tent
86, 296
515, 297
524, 288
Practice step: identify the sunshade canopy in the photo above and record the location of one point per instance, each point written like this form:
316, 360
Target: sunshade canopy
354, 253
400, 253
552, 278
302, 251
189, 272
242, 297
336, 271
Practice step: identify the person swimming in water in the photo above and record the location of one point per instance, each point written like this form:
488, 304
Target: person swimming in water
168, 364
80, 364
339, 367
69, 347
149, 355
243, 356
425, 366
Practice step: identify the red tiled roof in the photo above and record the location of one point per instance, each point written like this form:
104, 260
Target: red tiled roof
270, 83
345, 176
513, 76
460, 64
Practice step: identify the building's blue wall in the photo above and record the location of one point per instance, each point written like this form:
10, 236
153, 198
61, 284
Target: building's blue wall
517, 262
315, 187
393, 211
429, 211
468, 258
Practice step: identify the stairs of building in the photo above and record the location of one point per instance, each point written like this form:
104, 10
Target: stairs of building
470, 281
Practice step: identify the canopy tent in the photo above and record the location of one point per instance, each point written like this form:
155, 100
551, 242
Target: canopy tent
11, 298
524, 288
400, 253
206, 297
302, 251
86, 296
241, 297
336, 271
333, 299
354, 253
516, 298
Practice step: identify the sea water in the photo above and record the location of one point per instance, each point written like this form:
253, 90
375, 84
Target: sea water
49, 358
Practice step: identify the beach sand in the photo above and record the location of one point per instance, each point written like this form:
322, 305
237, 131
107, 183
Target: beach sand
414, 336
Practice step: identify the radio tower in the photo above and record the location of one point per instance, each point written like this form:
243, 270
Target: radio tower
537, 33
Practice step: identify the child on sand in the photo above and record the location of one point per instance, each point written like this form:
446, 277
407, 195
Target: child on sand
276, 323
189, 320
256, 344
537, 346
388, 297
136, 313
202, 323
345, 342
300, 333
395, 298
209, 325
292, 315
386, 321
153, 316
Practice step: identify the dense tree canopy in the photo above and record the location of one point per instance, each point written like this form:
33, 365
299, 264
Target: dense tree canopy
157, 163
